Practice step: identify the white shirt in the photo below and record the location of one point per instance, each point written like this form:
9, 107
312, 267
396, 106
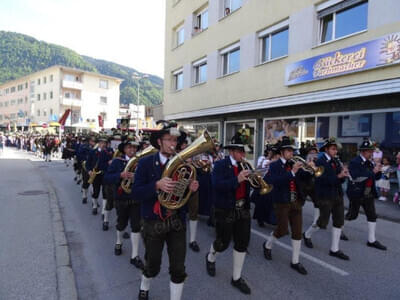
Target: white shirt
127, 157
363, 158
328, 157
163, 158
233, 161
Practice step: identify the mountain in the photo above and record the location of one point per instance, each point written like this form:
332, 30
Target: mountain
21, 55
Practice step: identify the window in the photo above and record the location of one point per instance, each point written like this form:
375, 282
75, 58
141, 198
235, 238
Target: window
51, 78
44, 80
1, 104
201, 21
231, 59
7, 91
103, 84
13, 116
231, 5
12, 89
51, 111
103, 100
180, 36
44, 96
6, 104
51, 95
38, 112
178, 80
20, 87
38, 97
344, 18
44, 112
200, 71
12, 102
274, 43
38, 81
26, 85
26, 99
1, 118
20, 101
104, 116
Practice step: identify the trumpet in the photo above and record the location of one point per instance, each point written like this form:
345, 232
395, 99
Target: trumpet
255, 178
202, 164
316, 171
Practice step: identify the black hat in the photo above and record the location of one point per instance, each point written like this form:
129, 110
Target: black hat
367, 144
182, 139
164, 127
237, 142
275, 148
286, 143
329, 142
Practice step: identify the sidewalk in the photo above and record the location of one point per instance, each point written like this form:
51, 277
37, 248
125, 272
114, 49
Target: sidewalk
34, 257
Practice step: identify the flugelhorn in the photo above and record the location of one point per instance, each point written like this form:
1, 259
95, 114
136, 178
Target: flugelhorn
126, 184
184, 173
255, 178
316, 171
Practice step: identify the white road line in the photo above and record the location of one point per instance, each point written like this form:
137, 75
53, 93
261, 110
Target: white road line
309, 257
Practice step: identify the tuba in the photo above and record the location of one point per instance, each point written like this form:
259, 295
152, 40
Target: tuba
184, 173
317, 171
131, 166
255, 178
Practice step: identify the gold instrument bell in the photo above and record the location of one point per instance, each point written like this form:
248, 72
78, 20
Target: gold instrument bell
184, 173
317, 171
255, 178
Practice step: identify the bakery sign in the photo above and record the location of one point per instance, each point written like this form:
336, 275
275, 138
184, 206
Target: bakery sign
372, 54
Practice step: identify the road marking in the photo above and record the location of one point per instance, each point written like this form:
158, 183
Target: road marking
309, 257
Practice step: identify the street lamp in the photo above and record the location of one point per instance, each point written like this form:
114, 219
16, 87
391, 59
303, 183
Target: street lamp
137, 76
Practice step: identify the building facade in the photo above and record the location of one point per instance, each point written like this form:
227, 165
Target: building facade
46, 95
306, 68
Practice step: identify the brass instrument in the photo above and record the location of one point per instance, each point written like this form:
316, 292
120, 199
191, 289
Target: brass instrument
131, 166
117, 153
95, 172
255, 178
183, 173
84, 165
201, 164
317, 171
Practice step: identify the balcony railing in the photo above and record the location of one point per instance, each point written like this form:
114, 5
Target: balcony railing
76, 85
71, 102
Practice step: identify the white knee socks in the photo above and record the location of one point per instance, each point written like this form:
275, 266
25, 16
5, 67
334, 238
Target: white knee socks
238, 260
312, 229
135, 237
94, 203
119, 237
84, 193
336, 232
145, 284
106, 215
212, 255
193, 230
316, 216
103, 208
270, 241
175, 290
371, 232
296, 244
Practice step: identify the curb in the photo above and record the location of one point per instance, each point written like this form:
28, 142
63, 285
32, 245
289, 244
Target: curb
66, 284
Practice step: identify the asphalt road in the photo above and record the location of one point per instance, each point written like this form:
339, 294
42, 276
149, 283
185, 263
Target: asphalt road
370, 273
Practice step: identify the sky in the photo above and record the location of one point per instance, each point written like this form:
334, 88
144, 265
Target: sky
128, 32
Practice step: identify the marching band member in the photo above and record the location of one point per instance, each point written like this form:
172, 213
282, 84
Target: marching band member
128, 210
98, 162
362, 190
160, 225
232, 212
84, 152
329, 198
288, 202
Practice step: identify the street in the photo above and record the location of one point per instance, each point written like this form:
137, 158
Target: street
28, 267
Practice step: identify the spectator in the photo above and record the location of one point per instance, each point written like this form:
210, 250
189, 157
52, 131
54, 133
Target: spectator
377, 155
227, 11
384, 184
396, 195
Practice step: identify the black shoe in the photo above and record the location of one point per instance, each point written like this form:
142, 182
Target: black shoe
267, 252
126, 235
75, 178
118, 249
339, 254
137, 262
376, 245
343, 237
194, 246
78, 182
105, 226
143, 295
241, 285
210, 267
211, 222
299, 268
84, 200
307, 241
94, 211
261, 224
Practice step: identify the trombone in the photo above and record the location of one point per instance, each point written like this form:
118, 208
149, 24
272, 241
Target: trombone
255, 178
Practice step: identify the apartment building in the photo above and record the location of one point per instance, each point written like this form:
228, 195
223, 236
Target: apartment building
46, 95
306, 68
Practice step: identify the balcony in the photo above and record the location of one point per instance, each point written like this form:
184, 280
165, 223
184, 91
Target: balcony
76, 85
71, 102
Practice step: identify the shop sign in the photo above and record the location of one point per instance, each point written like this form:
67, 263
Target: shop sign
369, 55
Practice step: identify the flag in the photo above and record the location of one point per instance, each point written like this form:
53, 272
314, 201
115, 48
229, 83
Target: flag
64, 117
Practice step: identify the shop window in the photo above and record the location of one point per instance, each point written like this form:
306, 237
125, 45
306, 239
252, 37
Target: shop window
323, 127
274, 130
354, 125
343, 19
393, 128
197, 129
245, 129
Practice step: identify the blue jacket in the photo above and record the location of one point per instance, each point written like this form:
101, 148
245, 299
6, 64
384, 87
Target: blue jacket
113, 177
359, 168
225, 183
148, 172
83, 152
280, 179
328, 185
102, 157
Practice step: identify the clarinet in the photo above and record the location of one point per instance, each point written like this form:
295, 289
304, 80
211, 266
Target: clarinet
339, 162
